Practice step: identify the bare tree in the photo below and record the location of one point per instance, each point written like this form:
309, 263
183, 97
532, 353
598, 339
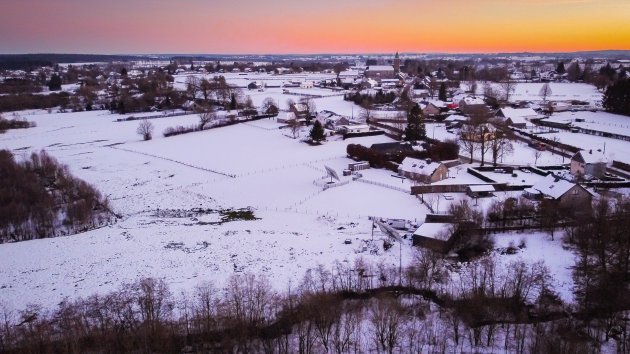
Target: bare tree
386, 318
468, 141
500, 146
290, 103
508, 86
145, 128
294, 126
269, 106
311, 107
193, 85
206, 117
545, 92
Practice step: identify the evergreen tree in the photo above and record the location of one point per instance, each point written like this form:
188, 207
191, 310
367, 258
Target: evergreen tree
317, 132
123, 72
233, 104
560, 69
55, 83
415, 126
442, 93
617, 98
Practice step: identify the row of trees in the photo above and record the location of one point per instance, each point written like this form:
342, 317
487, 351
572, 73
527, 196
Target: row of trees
348, 308
40, 198
14, 123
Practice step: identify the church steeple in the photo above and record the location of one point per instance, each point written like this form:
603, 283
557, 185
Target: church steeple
397, 63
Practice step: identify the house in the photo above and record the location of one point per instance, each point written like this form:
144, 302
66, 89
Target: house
300, 110
355, 129
380, 72
331, 120
424, 171
307, 85
433, 235
470, 104
480, 191
517, 117
286, 117
563, 192
431, 109
589, 163
455, 120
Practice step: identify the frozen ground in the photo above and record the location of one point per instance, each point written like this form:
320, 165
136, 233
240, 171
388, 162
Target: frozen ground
300, 225
560, 92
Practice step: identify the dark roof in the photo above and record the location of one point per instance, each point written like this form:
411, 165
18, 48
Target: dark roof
391, 147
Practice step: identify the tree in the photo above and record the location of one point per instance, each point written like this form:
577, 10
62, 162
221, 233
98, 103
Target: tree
501, 145
415, 126
317, 132
617, 97
145, 128
467, 140
442, 94
311, 108
574, 73
545, 91
560, 69
206, 117
233, 103
508, 86
270, 106
193, 85
55, 83
294, 126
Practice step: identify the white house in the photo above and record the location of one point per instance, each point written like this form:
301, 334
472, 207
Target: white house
518, 117
589, 163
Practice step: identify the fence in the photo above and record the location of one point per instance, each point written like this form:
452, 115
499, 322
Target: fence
157, 116
175, 161
407, 191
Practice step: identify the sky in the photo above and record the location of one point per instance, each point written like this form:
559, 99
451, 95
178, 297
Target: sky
315, 26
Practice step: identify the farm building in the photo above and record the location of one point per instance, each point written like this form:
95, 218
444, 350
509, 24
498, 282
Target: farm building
589, 163
433, 236
565, 193
424, 171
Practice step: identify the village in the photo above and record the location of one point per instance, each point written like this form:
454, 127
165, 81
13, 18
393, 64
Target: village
335, 162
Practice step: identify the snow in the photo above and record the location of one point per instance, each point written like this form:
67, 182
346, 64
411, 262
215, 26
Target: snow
274, 174
432, 230
539, 247
597, 121
559, 92
553, 187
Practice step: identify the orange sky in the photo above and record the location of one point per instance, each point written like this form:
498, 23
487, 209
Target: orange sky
323, 26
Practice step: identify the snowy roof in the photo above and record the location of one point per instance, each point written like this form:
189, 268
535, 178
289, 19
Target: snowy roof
481, 188
380, 68
469, 100
518, 113
300, 107
592, 156
456, 118
553, 187
432, 230
438, 104
417, 166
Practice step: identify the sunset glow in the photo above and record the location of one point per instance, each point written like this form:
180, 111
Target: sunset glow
325, 26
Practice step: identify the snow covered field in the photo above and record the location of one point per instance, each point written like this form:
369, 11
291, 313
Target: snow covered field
300, 225
529, 91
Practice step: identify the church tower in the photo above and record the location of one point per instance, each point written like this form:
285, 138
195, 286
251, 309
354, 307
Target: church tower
397, 63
